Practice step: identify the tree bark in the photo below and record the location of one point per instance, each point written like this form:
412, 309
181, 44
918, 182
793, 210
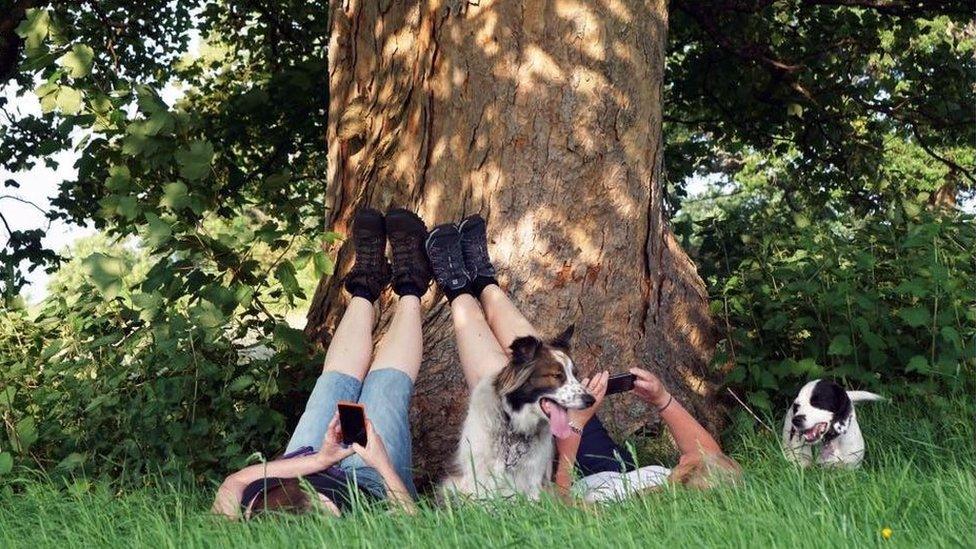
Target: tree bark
545, 117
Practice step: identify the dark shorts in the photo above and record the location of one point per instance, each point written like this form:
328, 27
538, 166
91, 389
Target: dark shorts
598, 452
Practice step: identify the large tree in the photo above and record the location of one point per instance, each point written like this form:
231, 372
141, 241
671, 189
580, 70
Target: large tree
546, 119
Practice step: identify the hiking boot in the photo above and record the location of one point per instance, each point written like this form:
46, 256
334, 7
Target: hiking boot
411, 270
370, 274
474, 245
447, 258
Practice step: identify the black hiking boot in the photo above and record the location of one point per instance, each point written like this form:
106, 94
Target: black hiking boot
411, 270
447, 260
474, 244
370, 274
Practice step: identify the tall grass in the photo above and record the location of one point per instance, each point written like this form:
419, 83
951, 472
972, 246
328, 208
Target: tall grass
917, 480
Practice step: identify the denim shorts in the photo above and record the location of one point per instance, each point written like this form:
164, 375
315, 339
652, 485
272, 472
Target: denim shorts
385, 393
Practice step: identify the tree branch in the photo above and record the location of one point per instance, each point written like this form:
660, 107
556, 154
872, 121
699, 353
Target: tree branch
7, 225
949, 163
25, 201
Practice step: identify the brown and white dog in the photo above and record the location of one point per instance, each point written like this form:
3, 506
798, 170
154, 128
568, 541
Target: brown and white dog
506, 445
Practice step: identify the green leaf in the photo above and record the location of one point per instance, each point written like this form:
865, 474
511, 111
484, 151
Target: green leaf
240, 383
915, 316
78, 61
71, 462
951, 335
917, 363
34, 28
840, 345
6, 463
159, 122
69, 100
285, 273
175, 196
148, 304
158, 232
195, 161
207, 315
119, 179
106, 273
26, 434
332, 237
128, 207
7, 398
323, 264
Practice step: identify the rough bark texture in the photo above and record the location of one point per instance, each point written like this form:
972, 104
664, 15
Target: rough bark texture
545, 117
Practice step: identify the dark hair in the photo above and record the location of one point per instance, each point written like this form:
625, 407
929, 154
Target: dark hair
282, 495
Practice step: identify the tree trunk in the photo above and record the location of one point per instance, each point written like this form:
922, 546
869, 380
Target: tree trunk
545, 117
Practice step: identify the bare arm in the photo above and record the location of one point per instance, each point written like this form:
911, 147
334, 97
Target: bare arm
397, 492
690, 437
567, 448
374, 454
228, 499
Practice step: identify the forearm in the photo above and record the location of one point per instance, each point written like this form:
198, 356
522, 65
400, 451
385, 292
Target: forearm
566, 450
280, 468
396, 490
689, 435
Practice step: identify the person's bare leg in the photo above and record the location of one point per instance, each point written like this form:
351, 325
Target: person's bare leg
352, 344
506, 320
402, 345
477, 346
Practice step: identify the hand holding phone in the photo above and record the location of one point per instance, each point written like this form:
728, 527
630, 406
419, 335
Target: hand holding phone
619, 383
352, 420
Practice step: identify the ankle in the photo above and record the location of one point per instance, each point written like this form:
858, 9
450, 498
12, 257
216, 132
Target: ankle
363, 291
452, 294
480, 283
408, 288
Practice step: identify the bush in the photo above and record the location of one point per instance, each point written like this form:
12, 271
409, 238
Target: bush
112, 380
883, 302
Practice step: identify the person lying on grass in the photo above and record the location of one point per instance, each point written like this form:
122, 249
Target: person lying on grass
343, 476
610, 473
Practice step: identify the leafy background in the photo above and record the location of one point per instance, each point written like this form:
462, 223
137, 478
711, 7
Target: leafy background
836, 143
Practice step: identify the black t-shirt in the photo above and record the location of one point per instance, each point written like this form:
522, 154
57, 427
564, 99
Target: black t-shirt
331, 483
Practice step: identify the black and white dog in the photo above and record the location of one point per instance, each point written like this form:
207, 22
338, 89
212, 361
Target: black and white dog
823, 414
506, 443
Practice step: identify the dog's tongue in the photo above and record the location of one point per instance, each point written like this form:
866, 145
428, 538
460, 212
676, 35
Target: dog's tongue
558, 419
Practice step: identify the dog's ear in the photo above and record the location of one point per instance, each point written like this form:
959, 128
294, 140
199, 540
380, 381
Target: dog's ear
562, 340
524, 349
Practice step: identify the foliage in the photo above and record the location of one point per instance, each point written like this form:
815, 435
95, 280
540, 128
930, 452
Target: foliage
92, 383
144, 354
244, 145
919, 486
882, 302
822, 87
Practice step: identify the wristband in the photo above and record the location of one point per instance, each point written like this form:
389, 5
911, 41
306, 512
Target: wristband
665, 407
575, 429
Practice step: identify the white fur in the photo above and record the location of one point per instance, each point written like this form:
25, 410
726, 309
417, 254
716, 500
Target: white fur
846, 450
499, 457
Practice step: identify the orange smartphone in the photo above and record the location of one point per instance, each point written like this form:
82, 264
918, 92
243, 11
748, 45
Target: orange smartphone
352, 421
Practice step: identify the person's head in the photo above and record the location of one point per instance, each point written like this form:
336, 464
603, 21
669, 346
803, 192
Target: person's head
706, 471
287, 496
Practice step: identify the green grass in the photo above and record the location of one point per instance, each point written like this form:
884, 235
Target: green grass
917, 480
